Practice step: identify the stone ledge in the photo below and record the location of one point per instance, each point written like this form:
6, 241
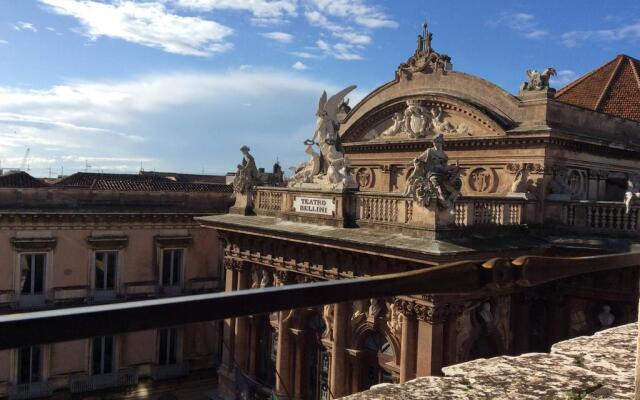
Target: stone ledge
599, 366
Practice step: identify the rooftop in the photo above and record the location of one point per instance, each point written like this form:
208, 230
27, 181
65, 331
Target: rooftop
613, 89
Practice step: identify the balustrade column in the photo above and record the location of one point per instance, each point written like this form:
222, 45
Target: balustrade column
242, 323
408, 347
337, 380
430, 340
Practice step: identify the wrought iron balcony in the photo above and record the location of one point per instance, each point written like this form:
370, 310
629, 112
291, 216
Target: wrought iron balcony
81, 383
33, 390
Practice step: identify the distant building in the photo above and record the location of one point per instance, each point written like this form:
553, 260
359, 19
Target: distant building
94, 238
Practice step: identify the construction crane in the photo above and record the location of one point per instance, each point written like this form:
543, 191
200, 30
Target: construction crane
25, 161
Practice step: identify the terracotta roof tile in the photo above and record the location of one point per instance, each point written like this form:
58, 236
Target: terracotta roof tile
20, 180
613, 88
132, 182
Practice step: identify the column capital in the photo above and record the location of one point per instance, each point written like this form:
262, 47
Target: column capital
231, 263
436, 314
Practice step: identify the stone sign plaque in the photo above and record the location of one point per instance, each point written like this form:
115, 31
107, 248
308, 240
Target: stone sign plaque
314, 205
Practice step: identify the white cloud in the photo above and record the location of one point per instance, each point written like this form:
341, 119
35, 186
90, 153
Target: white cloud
354, 38
304, 54
339, 51
3, 42
279, 36
576, 38
562, 78
299, 65
265, 12
115, 124
24, 26
524, 24
358, 11
149, 24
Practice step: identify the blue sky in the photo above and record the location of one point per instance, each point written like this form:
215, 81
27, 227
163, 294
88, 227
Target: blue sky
180, 85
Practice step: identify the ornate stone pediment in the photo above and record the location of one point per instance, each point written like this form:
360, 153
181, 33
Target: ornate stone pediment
418, 118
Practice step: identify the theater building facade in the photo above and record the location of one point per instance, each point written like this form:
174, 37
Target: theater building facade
442, 166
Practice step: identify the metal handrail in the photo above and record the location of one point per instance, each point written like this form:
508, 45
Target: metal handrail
52, 326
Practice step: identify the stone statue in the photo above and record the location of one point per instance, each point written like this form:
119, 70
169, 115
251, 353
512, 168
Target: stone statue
433, 178
537, 80
439, 125
396, 127
247, 174
425, 59
605, 317
266, 279
359, 308
255, 279
560, 182
632, 195
394, 319
327, 314
485, 313
331, 168
375, 309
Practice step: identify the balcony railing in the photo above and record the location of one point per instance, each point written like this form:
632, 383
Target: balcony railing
81, 383
170, 371
33, 390
601, 216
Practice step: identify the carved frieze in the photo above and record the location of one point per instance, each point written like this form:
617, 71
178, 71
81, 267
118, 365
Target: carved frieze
482, 180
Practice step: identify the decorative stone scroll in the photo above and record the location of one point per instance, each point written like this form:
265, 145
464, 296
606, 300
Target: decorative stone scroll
425, 60
433, 178
329, 169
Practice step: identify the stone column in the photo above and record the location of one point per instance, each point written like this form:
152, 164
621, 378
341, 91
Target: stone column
298, 369
521, 331
637, 383
430, 340
225, 372
337, 379
408, 348
242, 323
255, 323
284, 381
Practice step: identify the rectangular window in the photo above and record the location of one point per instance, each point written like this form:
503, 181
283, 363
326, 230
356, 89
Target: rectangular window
102, 355
172, 267
167, 346
29, 364
32, 273
105, 270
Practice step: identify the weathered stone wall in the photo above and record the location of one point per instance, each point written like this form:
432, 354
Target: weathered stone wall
588, 367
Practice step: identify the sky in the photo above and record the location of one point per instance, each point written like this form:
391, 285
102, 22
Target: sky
181, 85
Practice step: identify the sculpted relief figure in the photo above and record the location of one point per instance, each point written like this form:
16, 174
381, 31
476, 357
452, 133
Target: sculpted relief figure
538, 80
433, 178
330, 168
418, 121
247, 174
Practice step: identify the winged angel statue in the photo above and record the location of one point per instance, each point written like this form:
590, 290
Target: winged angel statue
538, 80
330, 167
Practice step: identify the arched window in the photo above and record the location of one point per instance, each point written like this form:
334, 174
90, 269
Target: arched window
378, 352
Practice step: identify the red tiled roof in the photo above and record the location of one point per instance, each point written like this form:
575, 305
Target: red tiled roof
613, 88
132, 182
20, 180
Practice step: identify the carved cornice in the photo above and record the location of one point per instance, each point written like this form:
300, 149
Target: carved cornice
452, 144
108, 242
80, 220
33, 244
174, 241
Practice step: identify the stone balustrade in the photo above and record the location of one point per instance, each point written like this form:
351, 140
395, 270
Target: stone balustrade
370, 209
